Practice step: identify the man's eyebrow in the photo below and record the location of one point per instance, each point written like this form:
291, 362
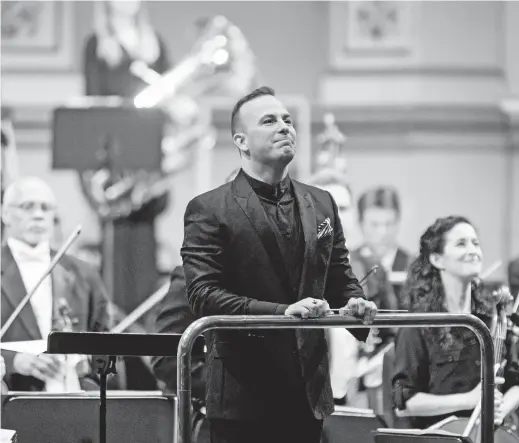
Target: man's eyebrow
270, 115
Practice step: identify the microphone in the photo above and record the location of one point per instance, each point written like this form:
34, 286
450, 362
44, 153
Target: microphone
29, 295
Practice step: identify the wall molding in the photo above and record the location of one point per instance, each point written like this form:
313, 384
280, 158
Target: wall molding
459, 125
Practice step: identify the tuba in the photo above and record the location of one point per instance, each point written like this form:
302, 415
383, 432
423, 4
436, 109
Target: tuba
219, 64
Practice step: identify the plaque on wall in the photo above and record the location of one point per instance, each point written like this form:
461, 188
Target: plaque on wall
36, 35
371, 33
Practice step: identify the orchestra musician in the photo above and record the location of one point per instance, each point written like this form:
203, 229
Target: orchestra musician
437, 370
28, 213
267, 244
379, 213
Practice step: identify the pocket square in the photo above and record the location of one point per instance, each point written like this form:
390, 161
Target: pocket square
324, 229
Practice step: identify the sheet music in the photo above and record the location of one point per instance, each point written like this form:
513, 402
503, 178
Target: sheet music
416, 431
35, 347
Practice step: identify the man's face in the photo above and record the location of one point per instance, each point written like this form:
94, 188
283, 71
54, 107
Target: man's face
267, 130
30, 216
380, 228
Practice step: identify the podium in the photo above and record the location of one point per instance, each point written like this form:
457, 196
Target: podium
109, 133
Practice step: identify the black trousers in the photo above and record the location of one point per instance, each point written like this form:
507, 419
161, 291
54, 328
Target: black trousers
288, 429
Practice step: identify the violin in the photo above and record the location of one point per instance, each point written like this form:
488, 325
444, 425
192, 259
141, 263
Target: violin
76, 367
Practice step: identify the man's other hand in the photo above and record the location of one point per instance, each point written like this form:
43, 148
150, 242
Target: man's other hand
360, 308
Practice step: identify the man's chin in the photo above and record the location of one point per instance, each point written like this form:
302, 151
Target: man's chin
288, 152
35, 240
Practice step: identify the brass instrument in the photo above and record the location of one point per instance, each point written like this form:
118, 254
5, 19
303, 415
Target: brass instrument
219, 64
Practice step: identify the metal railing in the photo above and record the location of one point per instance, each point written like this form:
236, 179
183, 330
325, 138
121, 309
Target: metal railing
382, 321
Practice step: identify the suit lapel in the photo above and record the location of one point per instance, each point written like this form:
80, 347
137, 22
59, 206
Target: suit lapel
251, 206
14, 291
309, 223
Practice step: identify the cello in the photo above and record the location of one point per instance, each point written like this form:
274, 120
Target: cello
470, 426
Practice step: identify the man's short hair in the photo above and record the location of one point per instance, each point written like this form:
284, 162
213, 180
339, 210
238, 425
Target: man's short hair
263, 90
383, 197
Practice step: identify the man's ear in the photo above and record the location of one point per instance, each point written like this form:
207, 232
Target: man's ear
436, 261
5, 215
240, 140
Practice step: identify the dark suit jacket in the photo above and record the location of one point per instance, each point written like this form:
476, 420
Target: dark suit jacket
76, 281
513, 277
173, 317
233, 266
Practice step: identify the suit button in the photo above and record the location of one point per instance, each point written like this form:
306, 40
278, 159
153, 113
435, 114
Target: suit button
478, 362
450, 358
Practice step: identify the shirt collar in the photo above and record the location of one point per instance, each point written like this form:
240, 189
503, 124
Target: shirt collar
23, 252
268, 191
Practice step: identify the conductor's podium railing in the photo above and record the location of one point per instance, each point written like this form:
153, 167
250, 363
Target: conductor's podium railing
434, 320
112, 344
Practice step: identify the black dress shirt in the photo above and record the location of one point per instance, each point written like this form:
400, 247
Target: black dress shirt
280, 207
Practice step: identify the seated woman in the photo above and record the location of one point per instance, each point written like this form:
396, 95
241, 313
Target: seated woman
437, 370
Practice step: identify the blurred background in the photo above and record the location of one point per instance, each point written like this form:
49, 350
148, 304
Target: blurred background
407, 109
422, 91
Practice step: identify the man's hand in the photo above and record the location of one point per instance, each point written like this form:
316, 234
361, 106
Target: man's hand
308, 308
42, 367
360, 308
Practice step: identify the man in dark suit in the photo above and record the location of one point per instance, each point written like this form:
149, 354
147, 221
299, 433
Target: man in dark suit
379, 218
267, 244
513, 277
73, 292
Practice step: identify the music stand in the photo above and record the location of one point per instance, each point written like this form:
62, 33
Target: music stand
112, 345
107, 133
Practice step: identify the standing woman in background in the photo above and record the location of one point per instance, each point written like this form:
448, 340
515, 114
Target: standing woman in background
123, 35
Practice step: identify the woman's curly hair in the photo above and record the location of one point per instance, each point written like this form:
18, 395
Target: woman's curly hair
423, 290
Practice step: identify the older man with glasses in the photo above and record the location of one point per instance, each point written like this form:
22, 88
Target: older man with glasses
73, 294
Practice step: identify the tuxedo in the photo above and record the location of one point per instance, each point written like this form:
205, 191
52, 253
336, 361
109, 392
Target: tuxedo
72, 280
234, 265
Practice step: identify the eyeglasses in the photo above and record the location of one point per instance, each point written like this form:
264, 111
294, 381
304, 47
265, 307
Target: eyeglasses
33, 206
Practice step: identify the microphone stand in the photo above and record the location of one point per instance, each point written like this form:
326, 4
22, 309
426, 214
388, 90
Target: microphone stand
29, 295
